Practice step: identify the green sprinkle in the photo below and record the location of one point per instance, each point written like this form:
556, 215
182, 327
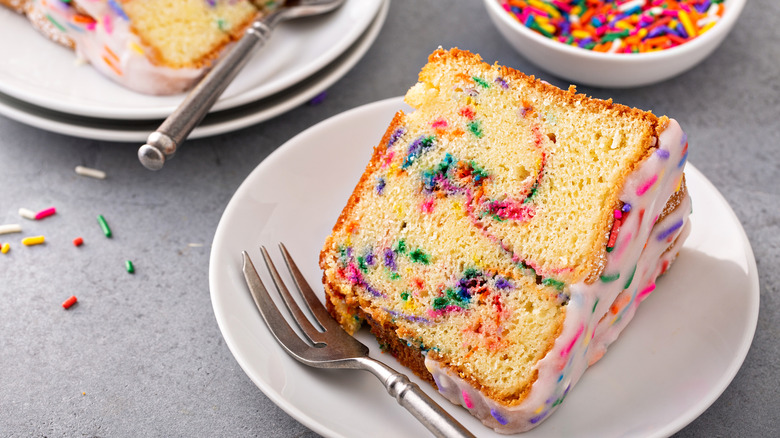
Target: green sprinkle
630, 278
614, 35
394, 275
362, 264
481, 82
476, 128
104, 225
609, 278
222, 24
554, 283
439, 303
404, 295
60, 27
594, 306
400, 247
420, 256
129, 267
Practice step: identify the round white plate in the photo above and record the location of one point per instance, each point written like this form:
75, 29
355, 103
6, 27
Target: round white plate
682, 350
297, 49
215, 122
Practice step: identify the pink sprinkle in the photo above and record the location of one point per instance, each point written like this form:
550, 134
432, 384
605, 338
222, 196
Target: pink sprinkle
645, 292
623, 247
440, 123
565, 352
107, 24
45, 213
467, 400
90, 26
646, 186
618, 214
427, 206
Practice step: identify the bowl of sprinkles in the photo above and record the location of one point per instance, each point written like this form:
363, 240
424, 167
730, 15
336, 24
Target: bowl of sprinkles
615, 43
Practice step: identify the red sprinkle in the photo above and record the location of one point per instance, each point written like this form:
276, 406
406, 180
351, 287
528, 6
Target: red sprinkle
69, 302
78, 241
45, 213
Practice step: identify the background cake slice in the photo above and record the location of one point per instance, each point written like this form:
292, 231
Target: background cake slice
150, 46
504, 232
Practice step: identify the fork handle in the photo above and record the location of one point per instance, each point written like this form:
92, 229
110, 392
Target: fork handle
410, 396
162, 144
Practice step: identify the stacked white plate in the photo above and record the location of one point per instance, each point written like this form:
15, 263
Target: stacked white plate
42, 85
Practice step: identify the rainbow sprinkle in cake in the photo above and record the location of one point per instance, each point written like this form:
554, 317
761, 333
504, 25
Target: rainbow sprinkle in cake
504, 233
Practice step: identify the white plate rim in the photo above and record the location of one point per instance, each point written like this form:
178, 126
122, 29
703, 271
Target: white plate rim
227, 322
360, 14
214, 123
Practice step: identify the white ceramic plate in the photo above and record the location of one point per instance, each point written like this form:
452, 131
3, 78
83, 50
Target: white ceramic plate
682, 350
296, 50
215, 122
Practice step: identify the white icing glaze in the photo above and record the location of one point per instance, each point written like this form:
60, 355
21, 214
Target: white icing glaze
112, 48
641, 253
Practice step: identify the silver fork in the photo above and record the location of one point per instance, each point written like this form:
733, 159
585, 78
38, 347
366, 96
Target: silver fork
163, 143
332, 347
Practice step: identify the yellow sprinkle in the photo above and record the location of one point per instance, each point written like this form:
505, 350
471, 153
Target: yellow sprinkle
707, 27
34, 240
5, 248
136, 48
688, 24
539, 409
624, 25
547, 27
580, 34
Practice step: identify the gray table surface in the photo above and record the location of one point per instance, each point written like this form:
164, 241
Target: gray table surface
142, 355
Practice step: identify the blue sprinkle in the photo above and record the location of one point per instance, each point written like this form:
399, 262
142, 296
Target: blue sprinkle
396, 135
318, 99
118, 9
503, 421
682, 160
390, 259
668, 232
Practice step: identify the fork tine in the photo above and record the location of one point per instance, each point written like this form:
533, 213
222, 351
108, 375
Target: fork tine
274, 319
315, 305
314, 334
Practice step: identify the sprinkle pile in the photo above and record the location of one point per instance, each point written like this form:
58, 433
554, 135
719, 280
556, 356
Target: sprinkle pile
618, 26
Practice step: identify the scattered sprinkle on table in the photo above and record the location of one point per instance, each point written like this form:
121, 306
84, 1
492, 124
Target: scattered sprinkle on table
69, 302
33, 240
27, 214
104, 225
78, 241
45, 213
10, 228
318, 99
92, 173
618, 26
129, 267
5, 247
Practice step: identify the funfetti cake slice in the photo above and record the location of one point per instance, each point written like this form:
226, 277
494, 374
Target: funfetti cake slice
150, 46
504, 233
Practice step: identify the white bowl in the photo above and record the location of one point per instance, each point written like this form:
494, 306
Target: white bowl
611, 70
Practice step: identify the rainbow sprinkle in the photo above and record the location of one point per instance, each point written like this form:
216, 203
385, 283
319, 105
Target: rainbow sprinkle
618, 26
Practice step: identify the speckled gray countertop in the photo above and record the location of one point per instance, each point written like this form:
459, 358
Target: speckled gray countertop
142, 355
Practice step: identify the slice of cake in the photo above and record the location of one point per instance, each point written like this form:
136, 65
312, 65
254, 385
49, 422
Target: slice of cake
150, 46
504, 233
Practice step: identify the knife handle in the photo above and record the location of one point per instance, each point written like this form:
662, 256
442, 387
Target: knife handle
163, 143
